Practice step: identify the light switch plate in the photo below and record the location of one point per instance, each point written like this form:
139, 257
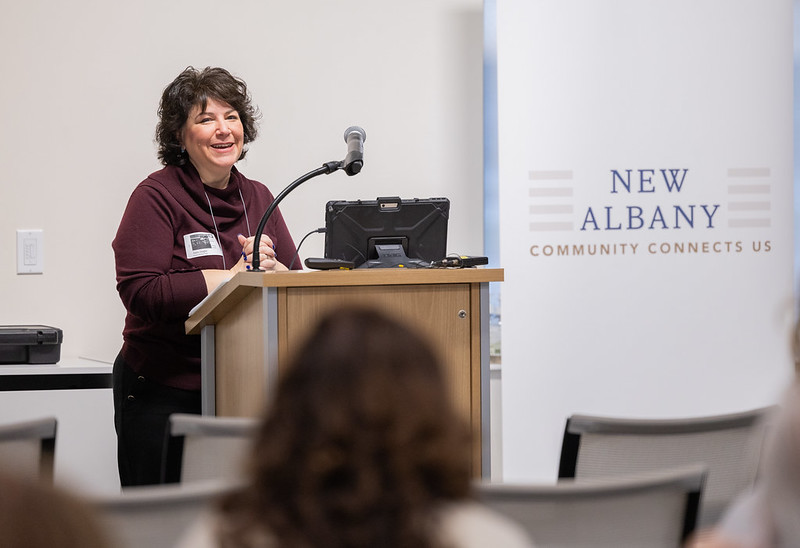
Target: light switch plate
30, 252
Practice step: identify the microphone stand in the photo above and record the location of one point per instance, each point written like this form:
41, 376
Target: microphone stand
326, 169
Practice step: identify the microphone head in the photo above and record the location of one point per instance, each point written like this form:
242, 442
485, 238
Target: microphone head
354, 168
354, 136
355, 129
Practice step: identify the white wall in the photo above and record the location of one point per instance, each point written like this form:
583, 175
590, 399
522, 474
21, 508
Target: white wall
80, 86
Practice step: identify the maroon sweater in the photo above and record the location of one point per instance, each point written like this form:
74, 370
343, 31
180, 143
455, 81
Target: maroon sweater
159, 265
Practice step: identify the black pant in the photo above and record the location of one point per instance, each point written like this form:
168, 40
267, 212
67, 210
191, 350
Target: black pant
141, 414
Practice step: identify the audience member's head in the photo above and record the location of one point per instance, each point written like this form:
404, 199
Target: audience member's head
38, 515
781, 474
767, 516
359, 444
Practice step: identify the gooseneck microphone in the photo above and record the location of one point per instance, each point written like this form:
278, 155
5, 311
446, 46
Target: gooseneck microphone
354, 136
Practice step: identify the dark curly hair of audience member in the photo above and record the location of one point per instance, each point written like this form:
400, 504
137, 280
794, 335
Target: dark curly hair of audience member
194, 87
359, 446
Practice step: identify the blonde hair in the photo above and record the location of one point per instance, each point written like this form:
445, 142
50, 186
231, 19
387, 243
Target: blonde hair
781, 473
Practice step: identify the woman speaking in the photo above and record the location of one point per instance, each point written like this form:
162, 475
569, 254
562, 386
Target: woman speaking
187, 228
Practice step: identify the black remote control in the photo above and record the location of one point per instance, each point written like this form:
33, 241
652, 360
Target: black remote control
321, 263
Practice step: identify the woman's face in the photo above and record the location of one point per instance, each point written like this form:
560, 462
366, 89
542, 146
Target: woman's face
213, 138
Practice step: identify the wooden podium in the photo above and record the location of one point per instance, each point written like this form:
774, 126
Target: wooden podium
250, 326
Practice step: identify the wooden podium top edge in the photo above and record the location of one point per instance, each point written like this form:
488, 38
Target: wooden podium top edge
374, 276
244, 282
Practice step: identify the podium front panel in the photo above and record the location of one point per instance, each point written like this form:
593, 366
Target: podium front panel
440, 314
257, 322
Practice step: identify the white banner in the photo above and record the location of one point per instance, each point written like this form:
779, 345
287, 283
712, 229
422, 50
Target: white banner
645, 172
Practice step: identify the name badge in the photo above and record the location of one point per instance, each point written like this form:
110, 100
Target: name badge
201, 244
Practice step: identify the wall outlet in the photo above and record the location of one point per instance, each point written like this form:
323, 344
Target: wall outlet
30, 252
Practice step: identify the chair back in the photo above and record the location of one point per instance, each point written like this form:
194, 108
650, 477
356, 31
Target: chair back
201, 447
653, 510
729, 445
28, 448
156, 516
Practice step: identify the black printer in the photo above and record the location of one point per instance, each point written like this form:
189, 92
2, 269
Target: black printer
24, 344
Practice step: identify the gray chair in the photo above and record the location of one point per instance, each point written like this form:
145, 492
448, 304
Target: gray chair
156, 516
649, 510
729, 445
201, 447
28, 448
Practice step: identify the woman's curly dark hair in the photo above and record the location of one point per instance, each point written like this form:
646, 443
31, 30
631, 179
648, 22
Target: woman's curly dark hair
359, 447
195, 87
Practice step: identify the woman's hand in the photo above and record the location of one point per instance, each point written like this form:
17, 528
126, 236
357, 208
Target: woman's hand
267, 259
